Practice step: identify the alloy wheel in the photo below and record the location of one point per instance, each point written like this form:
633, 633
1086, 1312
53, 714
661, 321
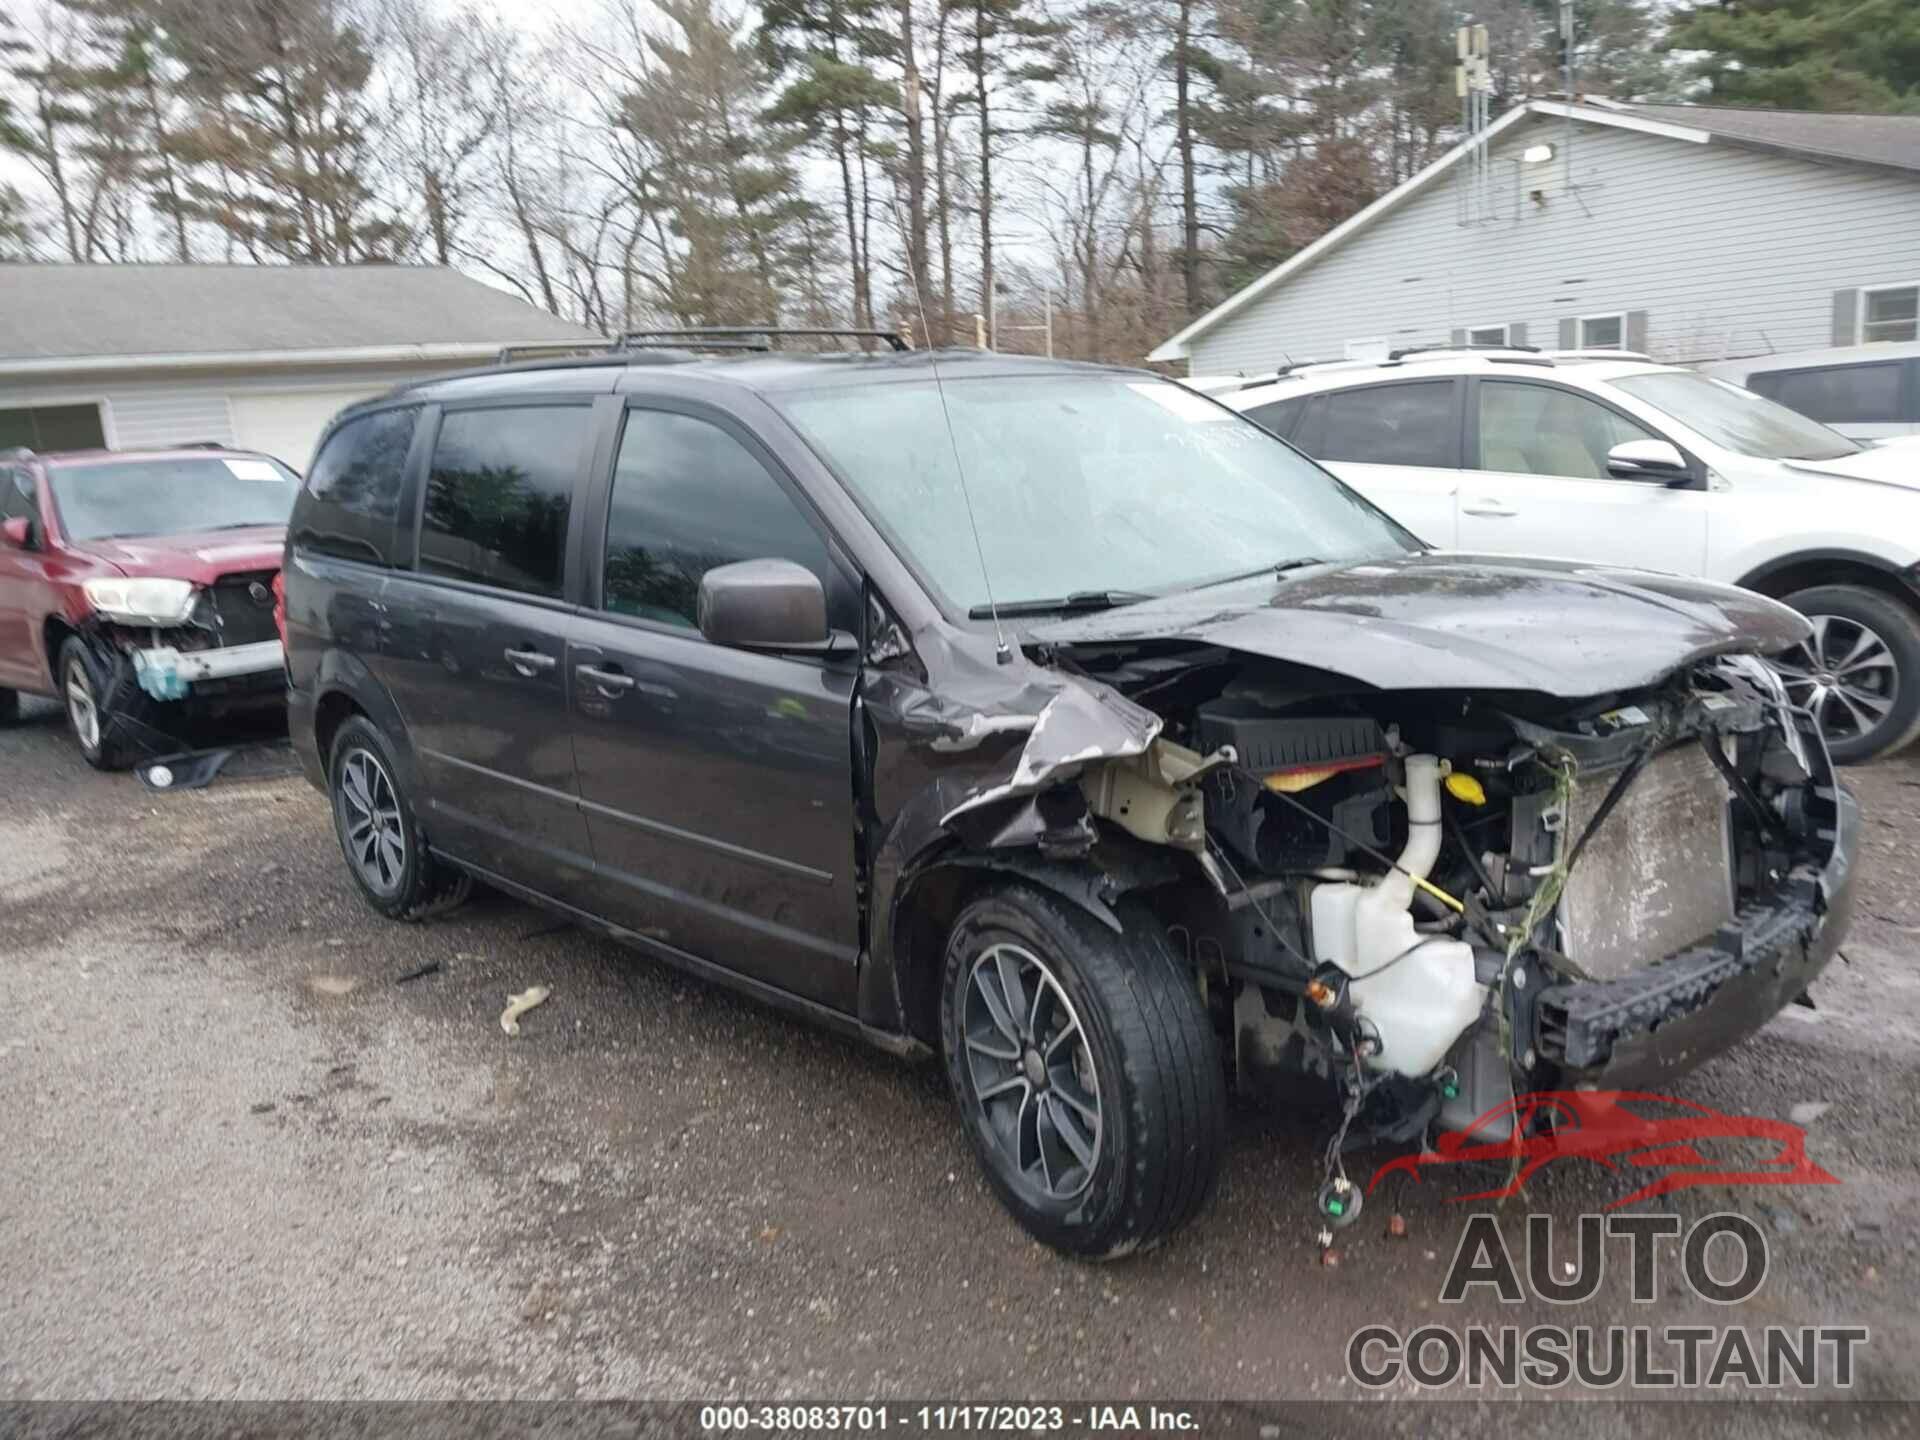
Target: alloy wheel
82, 709
1844, 674
376, 840
1032, 1070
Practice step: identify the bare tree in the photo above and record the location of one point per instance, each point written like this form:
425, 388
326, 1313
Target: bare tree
442, 120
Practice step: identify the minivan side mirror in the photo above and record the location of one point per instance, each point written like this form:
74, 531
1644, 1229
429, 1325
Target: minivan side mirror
764, 605
1657, 460
18, 532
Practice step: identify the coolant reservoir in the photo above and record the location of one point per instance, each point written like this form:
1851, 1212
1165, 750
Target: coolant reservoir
1418, 992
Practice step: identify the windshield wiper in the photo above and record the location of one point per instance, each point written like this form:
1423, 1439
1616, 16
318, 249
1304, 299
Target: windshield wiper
1281, 567
1077, 600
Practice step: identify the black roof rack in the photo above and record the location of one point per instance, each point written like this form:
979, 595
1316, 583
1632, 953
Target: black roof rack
749, 337
554, 350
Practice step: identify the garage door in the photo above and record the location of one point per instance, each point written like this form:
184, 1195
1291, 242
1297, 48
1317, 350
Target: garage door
285, 424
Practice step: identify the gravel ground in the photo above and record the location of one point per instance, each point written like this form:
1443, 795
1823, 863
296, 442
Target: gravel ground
245, 1163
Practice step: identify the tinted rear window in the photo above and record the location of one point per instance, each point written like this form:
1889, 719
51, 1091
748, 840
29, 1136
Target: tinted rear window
1386, 425
353, 489
1837, 394
499, 493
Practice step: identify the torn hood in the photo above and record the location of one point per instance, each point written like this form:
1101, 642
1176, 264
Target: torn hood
1442, 620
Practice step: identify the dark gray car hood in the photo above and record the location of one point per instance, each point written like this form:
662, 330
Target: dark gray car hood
1442, 620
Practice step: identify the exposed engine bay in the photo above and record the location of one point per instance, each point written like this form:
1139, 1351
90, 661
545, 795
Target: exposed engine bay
1420, 902
218, 654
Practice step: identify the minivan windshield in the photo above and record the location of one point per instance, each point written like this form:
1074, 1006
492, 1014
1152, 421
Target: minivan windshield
171, 497
1742, 421
1083, 486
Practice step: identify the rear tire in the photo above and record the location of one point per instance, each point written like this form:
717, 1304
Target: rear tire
1860, 673
9, 706
1085, 1070
379, 833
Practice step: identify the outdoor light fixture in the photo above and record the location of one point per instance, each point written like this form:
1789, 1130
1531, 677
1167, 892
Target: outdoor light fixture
1536, 155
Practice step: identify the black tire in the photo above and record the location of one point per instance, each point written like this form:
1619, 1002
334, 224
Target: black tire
105, 708
379, 832
1868, 700
9, 706
1150, 1063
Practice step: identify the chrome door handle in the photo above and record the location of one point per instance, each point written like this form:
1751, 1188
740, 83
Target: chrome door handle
1491, 509
609, 682
530, 662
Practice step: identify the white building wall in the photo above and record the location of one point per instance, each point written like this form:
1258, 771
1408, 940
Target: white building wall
151, 411
1730, 252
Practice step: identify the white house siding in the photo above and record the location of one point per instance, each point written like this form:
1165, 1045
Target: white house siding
1729, 252
151, 416
144, 411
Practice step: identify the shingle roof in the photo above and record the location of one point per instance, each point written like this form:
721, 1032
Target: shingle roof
62, 311
1892, 140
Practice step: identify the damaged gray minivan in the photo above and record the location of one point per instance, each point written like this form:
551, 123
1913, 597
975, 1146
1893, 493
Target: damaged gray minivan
1061, 723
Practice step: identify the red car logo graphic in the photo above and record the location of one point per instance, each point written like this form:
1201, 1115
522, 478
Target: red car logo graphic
1624, 1130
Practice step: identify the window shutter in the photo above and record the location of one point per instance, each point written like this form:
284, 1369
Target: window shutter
1637, 330
1517, 333
1569, 334
1459, 337
1846, 317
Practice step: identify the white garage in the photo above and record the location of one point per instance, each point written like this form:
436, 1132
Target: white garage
256, 356
284, 423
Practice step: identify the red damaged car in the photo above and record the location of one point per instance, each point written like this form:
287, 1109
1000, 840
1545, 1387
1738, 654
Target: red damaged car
139, 588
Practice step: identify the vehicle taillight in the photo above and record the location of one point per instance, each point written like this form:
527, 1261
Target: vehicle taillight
280, 605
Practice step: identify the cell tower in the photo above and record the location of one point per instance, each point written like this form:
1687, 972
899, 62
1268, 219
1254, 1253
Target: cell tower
1473, 82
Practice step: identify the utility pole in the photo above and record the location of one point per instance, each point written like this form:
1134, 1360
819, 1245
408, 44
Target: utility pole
1048, 327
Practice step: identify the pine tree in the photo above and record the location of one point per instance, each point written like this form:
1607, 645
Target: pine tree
823, 50
276, 144
1003, 50
722, 179
1806, 54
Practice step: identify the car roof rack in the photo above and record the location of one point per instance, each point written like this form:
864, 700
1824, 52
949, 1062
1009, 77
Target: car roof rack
1467, 345
560, 350
755, 338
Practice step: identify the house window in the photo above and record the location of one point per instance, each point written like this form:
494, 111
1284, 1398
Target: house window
1488, 335
1890, 313
1603, 332
52, 427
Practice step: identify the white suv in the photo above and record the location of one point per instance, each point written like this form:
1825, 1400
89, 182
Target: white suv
1610, 457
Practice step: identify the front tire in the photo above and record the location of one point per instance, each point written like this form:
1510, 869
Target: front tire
1860, 671
1085, 1070
98, 715
379, 833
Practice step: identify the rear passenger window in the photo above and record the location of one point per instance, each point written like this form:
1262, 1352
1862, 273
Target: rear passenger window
688, 496
1389, 425
1837, 394
1278, 417
499, 493
353, 490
